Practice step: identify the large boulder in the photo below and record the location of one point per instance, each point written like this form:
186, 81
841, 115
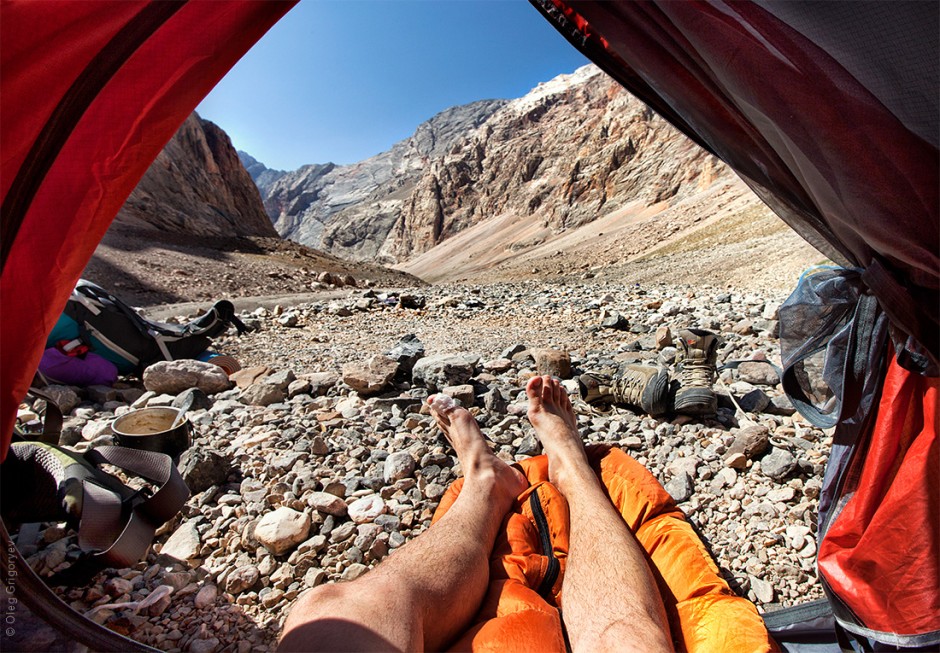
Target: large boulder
436, 372
553, 362
372, 376
261, 394
173, 377
406, 353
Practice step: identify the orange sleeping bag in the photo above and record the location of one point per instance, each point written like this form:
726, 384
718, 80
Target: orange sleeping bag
520, 611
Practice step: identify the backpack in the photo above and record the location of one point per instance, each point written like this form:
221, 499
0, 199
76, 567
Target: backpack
115, 331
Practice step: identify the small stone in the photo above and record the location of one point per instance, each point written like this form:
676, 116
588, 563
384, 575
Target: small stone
354, 571
243, 578
208, 645
281, 379
763, 591
498, 365
530, 446
159, 606
299, 387
261, 394
758, 373
755, 401
314, 576
780, 405
366, 509
680, 487
342, 532
63, 396
462, 393
248, 376
406, 353
743, 328
778, 464
184, 544
280, 530
272, 598
201, 468
783, 494
436, 372
750, 441
116, 587
372, 376
553, 363
398, 465
663, 337
434, 491
615, 321
328, 503
173, 377
206, 596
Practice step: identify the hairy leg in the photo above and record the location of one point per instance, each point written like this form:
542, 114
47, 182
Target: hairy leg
606, 567
425, 594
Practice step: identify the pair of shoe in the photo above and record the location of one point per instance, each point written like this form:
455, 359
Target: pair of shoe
647, 387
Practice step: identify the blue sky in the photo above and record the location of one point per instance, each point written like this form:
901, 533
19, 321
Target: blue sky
342, 80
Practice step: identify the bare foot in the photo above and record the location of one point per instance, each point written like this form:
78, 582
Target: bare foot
557, 428
480, 465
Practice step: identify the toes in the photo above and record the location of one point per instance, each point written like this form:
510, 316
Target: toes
548, 390
533, 390
439, 413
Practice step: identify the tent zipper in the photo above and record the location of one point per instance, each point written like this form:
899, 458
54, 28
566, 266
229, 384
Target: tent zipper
554, 567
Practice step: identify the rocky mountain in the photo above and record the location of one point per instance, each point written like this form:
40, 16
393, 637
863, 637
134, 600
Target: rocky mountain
263, 176
198, 186
572, 150
349, 209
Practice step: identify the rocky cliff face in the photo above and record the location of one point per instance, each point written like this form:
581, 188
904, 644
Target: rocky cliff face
263, 176
304, 204
198, 185
350, 209
572, 150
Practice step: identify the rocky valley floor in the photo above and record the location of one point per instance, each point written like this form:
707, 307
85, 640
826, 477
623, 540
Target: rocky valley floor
321, 461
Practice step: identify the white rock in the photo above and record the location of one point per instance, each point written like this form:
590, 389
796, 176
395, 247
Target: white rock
763, 590
280, 530
184, 543
366, 509
399, 465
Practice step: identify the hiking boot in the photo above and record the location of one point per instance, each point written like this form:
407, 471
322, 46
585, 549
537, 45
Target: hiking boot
696, 366
642, 386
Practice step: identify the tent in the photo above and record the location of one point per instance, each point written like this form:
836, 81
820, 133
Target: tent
829, 111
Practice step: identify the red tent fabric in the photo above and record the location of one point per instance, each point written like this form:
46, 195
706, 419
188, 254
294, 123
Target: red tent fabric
898, 478
90, 93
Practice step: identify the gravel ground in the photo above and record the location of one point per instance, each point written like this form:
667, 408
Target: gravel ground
301, 479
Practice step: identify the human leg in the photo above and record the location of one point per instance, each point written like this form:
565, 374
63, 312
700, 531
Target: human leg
423, 595
606, 565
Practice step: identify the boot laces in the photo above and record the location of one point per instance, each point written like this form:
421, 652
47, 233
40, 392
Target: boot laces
630, 386
697, 373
